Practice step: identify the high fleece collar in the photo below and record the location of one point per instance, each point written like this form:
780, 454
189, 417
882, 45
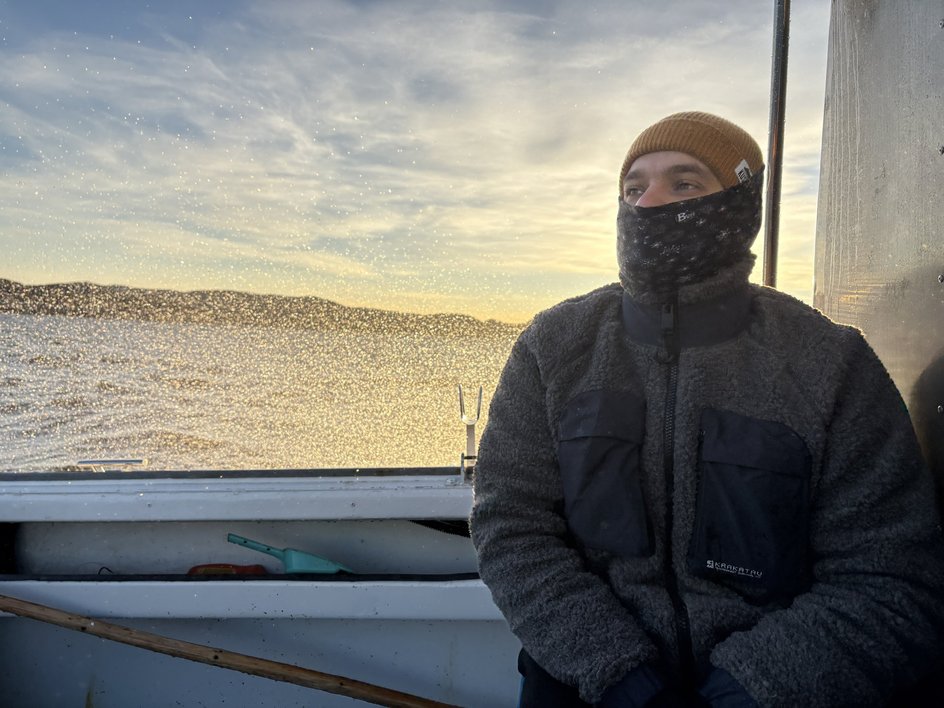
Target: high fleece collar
709, 312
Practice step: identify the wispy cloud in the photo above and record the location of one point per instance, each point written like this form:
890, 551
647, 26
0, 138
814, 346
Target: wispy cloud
374, 153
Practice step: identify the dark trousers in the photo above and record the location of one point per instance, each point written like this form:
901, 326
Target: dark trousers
541, 690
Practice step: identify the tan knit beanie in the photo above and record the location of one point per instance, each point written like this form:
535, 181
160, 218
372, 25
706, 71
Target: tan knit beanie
720, 144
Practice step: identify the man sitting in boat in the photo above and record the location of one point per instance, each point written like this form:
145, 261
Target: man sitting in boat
693, 489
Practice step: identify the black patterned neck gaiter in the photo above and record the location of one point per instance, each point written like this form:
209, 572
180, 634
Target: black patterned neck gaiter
664, 247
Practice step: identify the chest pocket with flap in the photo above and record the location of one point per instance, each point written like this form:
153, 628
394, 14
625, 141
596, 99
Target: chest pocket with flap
601, 436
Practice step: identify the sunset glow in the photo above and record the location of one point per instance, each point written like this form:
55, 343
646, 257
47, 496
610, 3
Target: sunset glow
416, 156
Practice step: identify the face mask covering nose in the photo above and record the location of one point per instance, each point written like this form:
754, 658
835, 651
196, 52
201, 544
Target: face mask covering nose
659, 249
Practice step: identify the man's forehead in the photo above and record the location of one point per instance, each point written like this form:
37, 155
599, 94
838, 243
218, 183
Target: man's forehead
667, 162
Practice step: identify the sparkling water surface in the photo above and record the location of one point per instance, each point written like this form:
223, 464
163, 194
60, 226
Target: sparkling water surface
218, 397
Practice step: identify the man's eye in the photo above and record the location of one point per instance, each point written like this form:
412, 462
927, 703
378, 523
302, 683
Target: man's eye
686, 186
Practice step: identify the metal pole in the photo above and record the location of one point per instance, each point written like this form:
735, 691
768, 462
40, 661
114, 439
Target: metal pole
778, 92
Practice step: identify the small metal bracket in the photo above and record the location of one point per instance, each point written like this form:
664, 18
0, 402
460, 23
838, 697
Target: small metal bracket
467, 459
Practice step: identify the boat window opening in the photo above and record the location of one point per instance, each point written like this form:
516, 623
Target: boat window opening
265, 237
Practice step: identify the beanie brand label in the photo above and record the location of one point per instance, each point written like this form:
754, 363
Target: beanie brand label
743, 171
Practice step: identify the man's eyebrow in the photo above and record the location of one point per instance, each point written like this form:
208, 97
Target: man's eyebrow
681, 168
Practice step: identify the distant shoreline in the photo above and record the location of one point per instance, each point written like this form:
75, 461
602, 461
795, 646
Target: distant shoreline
83, 299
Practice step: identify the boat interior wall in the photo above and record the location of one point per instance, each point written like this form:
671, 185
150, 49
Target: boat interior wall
383, 546
879, 255
412, 615
127, 527
458, 662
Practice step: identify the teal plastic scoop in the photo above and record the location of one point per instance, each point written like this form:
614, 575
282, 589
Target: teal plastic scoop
293, 560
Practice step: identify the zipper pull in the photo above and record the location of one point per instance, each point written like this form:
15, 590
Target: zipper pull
670, 338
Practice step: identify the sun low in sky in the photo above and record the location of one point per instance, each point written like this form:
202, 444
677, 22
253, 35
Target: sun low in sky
416, 155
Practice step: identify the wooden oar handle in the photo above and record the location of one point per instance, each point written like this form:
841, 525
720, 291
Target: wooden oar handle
256, 666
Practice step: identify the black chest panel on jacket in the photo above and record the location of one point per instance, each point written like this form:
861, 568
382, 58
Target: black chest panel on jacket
752, 513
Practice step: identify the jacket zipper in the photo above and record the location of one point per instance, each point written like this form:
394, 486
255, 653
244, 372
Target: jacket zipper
670, 336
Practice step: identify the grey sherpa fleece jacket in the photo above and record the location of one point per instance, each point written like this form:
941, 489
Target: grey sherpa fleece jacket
792, 449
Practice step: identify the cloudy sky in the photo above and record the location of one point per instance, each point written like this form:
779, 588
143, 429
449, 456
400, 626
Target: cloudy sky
414, 155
